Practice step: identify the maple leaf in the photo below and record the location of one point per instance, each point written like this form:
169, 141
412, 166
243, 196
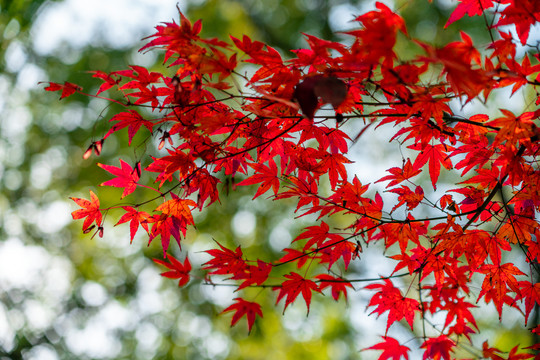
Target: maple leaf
225, 261
459, 311
338, 286
399, 174
67, 88
523, 14
462, 75
469, 7
436, 155
165, 226
530, 293
406, 196
333, 250
132, 120
253, 275
512, 355
206, 184
334, 165
438, 348
294, 255
317, 234
177, 269
126, 176
496, 283
518, 229
513, 128
142, 77
389, 298
265, 174
391, 348
90, 211
293, 287
108, 79
402, 232
176, 161
247, 308
179, 208
135, 219
488, 352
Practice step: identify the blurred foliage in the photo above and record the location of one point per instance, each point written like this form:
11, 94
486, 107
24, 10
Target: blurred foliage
64, 295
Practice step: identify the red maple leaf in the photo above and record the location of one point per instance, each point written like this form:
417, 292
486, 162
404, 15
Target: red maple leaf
206, 184
514, 128
491, 353
438, 348
177, 269
253, 275
399, 174
179, 208
165, 226
294, 255
176, 161
513, 354
142, 77
247, 308
126, 176
459, 311
130, 119
67, 88
317, 234
406, 196
523, 14
293, 287
225, 261
436, 155
212, 134
109, 80
334, 250
90, 211
469, 7
518, 229
403, 233
135, 218
338, 286
267, 175
389, 298
530, 293
391, 348
496, 283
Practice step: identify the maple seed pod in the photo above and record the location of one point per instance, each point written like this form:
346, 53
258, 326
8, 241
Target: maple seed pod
88, 152
138, 168
86, 231
98, 145
164, 138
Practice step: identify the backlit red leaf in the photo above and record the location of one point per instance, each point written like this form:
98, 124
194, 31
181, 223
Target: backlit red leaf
126, 176
177, 270
244, 308
294, 286
90, 211
391, 349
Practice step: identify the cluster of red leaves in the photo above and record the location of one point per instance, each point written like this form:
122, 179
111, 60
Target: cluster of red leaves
273, 138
